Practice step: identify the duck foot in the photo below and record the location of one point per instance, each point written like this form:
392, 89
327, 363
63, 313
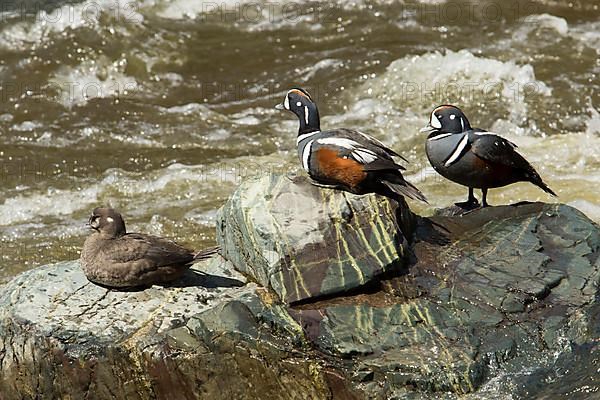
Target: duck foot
469, 205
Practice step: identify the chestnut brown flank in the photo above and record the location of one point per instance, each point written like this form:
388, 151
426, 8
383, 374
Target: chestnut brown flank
342, 170
498, 174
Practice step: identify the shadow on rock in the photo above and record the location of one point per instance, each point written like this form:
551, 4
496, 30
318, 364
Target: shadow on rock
431, 232
195, 278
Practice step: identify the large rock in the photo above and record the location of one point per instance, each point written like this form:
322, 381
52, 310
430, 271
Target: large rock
207, 336
303, 241
487, 306
503, 289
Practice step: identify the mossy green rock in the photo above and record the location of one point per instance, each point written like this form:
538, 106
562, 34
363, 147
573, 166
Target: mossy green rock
501, 289
304, 242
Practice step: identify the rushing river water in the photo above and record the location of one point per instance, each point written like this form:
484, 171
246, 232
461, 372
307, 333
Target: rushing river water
161, 107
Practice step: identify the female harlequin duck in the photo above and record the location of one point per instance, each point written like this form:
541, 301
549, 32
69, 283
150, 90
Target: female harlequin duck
473, 157
114, 258
343, 158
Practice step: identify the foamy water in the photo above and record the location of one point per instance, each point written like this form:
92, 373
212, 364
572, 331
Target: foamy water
162, 107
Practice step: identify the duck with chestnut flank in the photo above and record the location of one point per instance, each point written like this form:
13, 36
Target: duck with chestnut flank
345, 159
114, 258
474, 157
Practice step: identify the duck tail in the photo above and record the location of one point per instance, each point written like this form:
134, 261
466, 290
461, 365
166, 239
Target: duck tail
206, 253
534, 177
406, 189
545, 187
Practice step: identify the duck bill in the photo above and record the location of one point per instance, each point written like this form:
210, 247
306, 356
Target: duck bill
280, 106
427, 129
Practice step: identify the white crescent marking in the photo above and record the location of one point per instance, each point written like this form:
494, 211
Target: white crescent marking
461, 146
305, 114
306, 156
435, 122
286, 102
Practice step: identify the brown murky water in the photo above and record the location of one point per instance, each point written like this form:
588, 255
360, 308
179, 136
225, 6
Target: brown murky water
161, 107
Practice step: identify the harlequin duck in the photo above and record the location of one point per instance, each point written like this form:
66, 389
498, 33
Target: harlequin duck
343, 158
473, 157
114, 258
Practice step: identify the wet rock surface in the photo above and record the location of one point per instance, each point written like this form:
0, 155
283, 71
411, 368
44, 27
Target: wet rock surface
505, 288
496, 302
304, 242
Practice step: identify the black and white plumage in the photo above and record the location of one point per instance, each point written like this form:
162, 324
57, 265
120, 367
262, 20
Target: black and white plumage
474, 157
344, 158
114, 258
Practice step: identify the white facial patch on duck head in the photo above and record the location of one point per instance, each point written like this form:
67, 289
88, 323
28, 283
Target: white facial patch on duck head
286, 102
435, 122
95, 222
109, 219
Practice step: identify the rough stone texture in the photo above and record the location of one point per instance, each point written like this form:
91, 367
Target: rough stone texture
304, 241
505, 288
204, 337
497, 303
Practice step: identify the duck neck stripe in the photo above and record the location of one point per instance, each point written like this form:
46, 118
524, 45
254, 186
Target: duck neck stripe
305, 136
440, 136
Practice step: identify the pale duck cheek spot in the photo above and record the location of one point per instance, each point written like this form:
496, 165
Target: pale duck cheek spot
435, 122
286, 102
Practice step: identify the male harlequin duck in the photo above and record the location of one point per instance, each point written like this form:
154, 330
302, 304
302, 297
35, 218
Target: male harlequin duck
114, 258
343, 158
473, 157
